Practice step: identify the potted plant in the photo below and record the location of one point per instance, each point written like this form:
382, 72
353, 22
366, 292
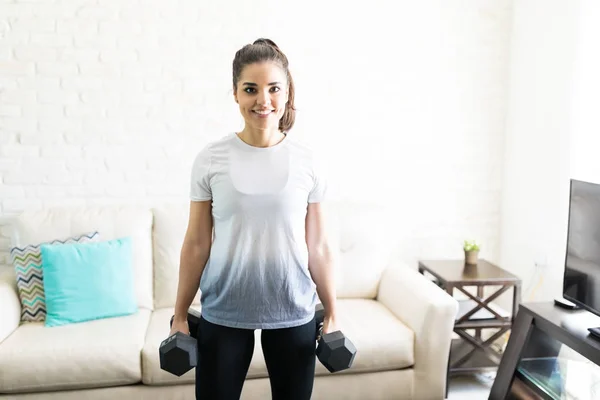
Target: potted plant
471, 249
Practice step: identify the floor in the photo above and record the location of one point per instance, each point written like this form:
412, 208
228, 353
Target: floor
470, 387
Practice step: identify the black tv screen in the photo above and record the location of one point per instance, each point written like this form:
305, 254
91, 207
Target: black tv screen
581, 282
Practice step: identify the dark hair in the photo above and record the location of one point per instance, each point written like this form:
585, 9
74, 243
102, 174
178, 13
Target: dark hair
266, 50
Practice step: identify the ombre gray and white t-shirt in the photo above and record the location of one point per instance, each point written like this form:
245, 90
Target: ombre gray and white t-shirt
257, 274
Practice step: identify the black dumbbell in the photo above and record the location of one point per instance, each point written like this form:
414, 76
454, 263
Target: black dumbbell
179, 352
335, 351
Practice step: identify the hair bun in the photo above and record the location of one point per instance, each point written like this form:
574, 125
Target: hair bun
266, 41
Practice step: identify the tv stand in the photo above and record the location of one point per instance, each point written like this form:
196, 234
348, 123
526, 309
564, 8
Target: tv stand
539, 353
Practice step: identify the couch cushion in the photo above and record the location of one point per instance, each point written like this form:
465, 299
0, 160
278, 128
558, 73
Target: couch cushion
112, 222
383, 342
362, 234
170, 225
103, 352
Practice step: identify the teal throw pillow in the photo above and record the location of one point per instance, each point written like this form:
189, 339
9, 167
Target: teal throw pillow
87, 281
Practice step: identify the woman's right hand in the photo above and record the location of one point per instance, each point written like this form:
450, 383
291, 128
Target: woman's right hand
179, 326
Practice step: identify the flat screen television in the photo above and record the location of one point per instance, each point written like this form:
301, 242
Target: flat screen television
581, 281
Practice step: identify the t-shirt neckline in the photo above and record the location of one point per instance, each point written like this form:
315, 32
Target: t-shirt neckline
240, 143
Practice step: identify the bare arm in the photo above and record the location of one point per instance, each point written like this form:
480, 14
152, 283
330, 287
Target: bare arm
321, 259
194, 255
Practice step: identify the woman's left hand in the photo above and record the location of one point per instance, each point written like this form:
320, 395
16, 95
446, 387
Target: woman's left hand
330, 325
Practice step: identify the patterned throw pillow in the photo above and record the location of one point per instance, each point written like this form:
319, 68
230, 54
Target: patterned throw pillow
27, 262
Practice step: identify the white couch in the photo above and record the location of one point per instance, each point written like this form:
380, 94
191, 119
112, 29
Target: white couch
400, 322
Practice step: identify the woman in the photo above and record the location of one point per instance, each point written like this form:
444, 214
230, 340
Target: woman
269, 258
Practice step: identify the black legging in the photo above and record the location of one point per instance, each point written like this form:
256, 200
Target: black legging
224, 356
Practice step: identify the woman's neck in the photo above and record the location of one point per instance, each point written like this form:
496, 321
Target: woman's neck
261, 138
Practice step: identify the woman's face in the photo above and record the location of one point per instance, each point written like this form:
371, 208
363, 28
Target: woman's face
262, 94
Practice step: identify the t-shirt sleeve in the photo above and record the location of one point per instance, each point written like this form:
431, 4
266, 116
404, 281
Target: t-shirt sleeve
200, 189
318, 193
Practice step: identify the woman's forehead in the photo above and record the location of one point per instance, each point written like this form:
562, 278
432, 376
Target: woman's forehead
266, 72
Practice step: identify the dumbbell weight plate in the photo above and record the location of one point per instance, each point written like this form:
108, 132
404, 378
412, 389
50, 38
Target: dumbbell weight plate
178, 354
336, 352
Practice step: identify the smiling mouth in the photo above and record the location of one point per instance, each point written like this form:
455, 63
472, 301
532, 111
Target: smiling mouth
262, 112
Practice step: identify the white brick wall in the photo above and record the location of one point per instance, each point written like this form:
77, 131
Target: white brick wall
109, 100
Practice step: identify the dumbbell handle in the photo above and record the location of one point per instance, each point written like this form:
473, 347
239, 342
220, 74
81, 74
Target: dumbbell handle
320, 319
193, 320
320, 332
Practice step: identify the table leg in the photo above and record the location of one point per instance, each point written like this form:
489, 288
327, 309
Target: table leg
519, 337
480, 296
516, 300
449, 290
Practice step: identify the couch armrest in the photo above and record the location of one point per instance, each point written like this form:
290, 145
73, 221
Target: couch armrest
430, 312
10, 305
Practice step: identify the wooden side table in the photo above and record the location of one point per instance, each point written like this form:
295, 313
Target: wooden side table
470, 353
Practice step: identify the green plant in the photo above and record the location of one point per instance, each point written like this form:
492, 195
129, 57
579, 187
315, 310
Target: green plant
470, 245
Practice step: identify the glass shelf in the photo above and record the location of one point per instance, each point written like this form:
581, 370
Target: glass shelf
562, 378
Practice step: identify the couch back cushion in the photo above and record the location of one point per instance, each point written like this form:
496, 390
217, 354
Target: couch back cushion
362, 234
170, 225
112, 222
359, 233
